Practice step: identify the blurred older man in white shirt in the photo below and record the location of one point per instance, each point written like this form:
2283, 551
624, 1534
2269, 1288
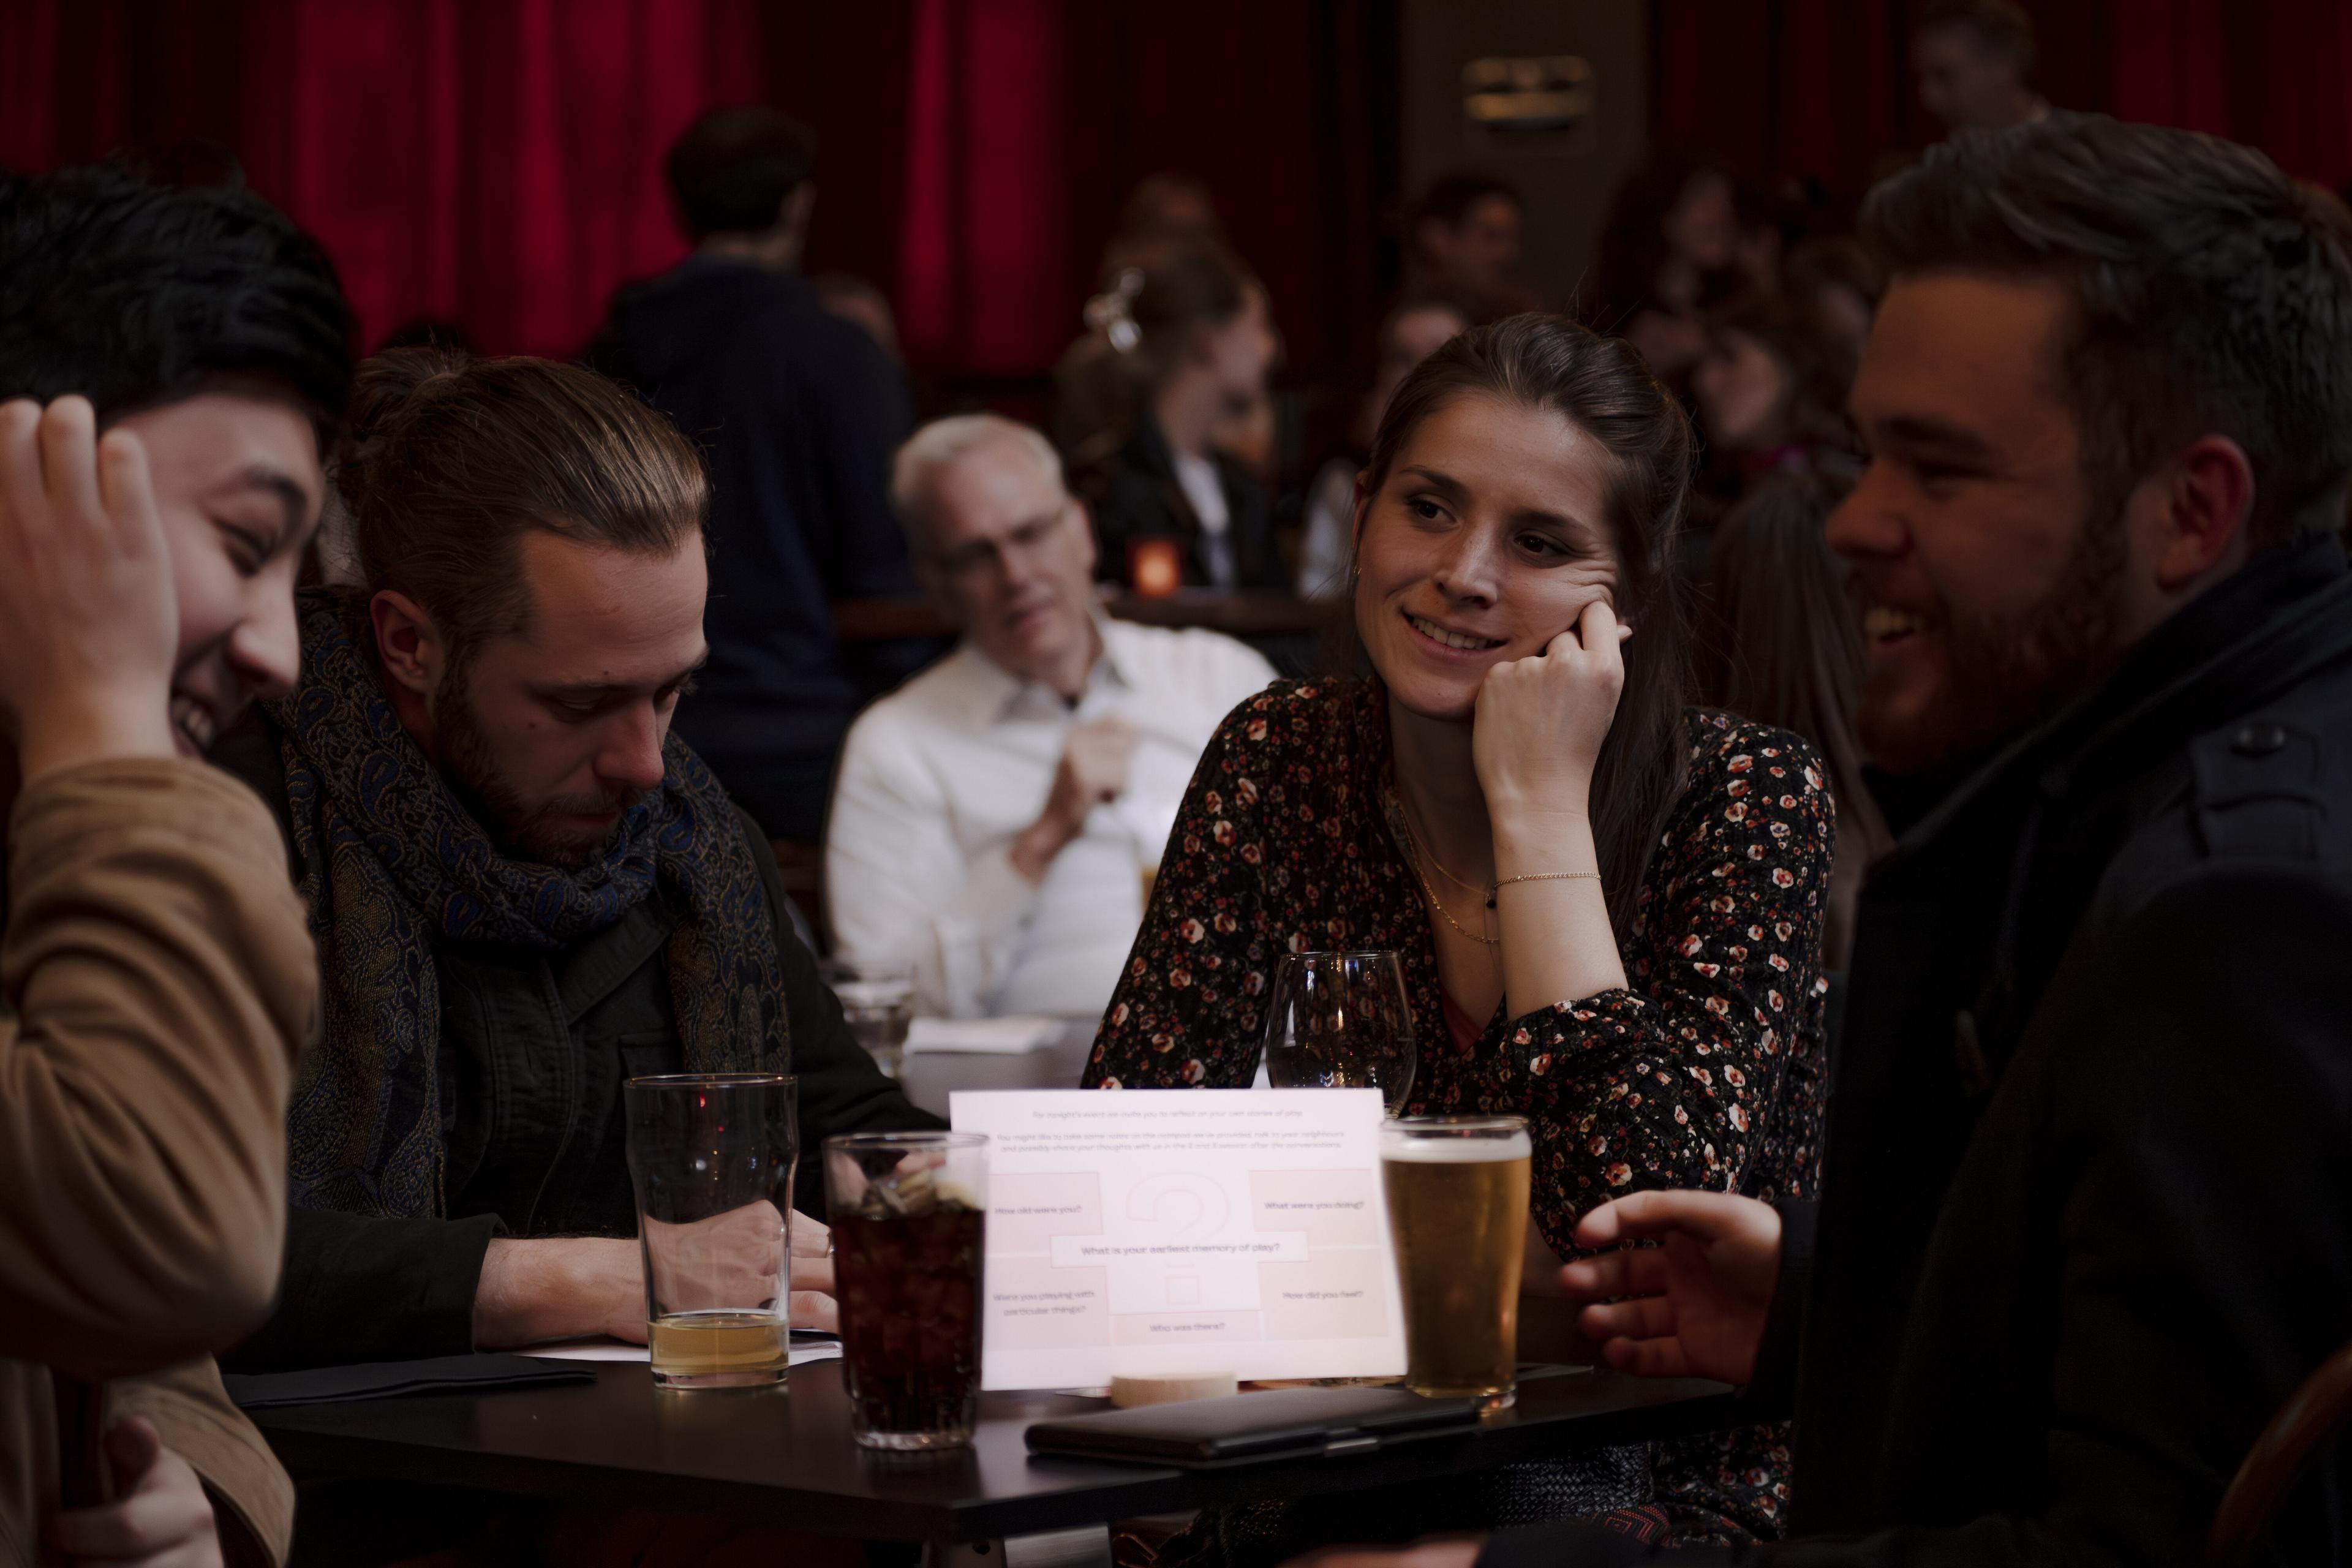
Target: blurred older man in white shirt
995, 818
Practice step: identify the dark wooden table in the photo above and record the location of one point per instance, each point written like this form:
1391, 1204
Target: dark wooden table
787, 1459
929, 1076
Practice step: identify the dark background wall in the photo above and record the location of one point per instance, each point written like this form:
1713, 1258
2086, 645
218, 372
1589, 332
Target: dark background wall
1822, 86
1567, 178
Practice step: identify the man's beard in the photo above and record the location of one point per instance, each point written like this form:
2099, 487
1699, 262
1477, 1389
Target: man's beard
527, 832
2007, 673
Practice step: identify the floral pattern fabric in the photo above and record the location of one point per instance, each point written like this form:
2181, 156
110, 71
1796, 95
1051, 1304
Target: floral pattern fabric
1706, 1071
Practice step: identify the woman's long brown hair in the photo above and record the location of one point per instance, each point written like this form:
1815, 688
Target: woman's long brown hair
1603, 387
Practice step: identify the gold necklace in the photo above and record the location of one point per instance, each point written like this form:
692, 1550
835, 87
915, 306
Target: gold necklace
1421, 849
1447, 915
1421, 853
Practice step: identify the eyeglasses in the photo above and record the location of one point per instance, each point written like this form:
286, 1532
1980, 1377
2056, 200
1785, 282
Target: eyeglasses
974, 557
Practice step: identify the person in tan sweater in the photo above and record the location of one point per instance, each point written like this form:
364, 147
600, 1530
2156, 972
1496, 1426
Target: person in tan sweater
156, 978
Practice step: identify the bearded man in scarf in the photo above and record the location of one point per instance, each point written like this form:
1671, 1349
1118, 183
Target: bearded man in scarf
525, 891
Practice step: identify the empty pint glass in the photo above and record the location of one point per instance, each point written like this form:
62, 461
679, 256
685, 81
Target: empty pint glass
713, 1156
909, 1213
1457, 1192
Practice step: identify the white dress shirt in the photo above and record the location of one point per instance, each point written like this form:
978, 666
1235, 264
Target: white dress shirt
939, 778
1198, 479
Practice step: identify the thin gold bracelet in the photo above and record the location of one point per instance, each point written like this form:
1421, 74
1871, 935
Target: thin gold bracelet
1492, 888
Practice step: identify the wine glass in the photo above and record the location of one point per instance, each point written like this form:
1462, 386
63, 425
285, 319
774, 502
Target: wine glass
1339, 1020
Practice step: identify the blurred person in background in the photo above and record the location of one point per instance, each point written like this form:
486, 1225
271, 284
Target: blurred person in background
1164, 213
1197, 345
1973, 60
1776, 643
797, 409
1838, 277
1462, 243
1412, 331
1771, 387
1092, 381
1165, 210
995, 814
172, 360
1669, 250
855, 300
1771, 223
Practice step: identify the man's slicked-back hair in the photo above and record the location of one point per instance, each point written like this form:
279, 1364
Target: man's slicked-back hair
733, 168
136, 294
450, 461
939, 445
2211, 295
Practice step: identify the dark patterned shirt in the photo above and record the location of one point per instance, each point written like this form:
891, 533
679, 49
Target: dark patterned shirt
1706, 1071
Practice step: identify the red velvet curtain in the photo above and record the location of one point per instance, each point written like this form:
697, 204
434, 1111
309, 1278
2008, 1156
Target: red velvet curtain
497, 162
1031, 120
1823, 87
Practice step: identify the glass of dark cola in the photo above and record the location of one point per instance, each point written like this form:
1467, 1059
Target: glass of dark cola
908, 1211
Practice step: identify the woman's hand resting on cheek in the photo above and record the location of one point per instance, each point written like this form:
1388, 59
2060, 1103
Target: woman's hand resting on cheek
1540, 721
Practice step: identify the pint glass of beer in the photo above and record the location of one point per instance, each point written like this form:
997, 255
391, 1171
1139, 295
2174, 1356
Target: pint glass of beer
713, 1156
1457, 1192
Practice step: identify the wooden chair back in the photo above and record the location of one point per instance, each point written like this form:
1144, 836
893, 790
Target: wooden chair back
2312, 1415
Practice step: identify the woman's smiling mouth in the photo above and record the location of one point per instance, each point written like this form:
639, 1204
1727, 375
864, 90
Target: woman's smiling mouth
1460, 642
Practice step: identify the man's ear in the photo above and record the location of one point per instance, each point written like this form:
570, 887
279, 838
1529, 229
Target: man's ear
798, 206
2197, 520
409, 646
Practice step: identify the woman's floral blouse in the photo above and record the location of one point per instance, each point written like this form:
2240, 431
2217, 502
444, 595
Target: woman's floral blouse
1706, 1071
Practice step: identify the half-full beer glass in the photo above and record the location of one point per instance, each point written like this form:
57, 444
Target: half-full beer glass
712, 1155
1457, 1192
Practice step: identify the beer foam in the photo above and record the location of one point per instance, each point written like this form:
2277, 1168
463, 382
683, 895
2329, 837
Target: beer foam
1457, 1151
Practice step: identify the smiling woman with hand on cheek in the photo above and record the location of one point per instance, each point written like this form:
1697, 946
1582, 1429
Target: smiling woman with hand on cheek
1608, 905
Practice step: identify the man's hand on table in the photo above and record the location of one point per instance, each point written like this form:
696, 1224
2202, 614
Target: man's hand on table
1693, 1305
1093, 772
813, 1304
572, 1287
160, 1518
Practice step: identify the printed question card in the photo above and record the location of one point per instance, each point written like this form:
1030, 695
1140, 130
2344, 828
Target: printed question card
1140, 1232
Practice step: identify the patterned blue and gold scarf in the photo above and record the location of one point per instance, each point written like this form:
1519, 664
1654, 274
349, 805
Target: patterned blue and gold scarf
393, 864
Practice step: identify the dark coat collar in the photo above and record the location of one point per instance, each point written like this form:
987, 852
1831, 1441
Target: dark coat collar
2287, 612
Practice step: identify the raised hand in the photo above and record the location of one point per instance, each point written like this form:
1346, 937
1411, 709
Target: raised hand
1540, 721
1694, 1305
89, 622
1093, 772
731, 1259
161, 1518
